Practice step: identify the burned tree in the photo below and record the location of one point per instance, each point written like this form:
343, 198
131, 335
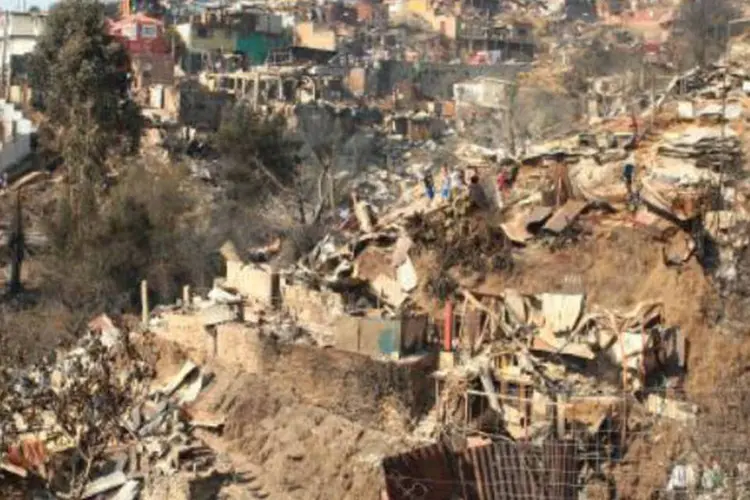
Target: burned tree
701, 30
330, 136
259, 156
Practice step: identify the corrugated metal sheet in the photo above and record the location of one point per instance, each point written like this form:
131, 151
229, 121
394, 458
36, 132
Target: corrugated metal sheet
428, 473
502, 470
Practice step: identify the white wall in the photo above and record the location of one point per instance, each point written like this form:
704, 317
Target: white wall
16, 137
18, 47
23, 31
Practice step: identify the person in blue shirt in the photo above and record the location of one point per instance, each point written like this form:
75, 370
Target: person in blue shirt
628, 169
445, 190
429, 185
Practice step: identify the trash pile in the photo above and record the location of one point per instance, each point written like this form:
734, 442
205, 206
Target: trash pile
89, 423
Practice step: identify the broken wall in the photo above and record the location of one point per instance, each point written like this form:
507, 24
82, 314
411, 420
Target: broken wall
239, 345
186, 330
315, 310
201, 108
349, 384
253, 281
380, 336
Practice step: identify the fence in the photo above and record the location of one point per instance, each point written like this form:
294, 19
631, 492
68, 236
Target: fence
666, 444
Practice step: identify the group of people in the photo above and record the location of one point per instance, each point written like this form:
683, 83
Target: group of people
452, 183
455, 182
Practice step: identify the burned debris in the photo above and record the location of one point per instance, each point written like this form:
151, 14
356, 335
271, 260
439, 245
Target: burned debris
477, 267
90, 422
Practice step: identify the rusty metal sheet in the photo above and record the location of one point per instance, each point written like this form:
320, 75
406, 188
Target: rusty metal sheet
565, 215
422, 473
536, 217
523, 226
502, 470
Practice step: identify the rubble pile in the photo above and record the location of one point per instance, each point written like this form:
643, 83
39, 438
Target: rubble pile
709, 147
549, 343
467, 242
90, 423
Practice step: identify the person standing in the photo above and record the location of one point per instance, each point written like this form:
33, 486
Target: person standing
446, 187
429, 185
502, 183
476, 194
628, 174
457, 181
628, 169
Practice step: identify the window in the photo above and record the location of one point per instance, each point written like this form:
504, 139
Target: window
130, 31
148, 31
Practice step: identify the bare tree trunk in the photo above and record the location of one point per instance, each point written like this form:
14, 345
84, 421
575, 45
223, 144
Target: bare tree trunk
331, 194
301, 207
17, 245
321, 199
331, 198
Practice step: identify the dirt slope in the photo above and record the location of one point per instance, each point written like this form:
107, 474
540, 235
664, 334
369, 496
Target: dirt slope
297, 451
